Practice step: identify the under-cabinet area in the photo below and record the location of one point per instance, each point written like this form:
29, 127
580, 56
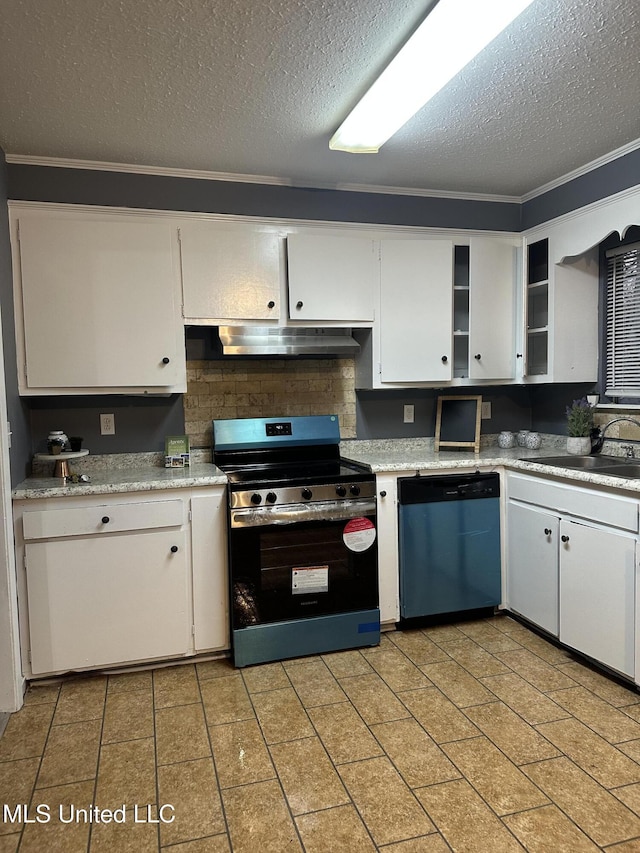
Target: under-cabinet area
120, 579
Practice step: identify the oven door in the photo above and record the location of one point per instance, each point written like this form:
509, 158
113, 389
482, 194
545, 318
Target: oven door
302, 560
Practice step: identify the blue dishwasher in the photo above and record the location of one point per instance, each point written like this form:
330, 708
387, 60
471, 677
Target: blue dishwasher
449, 543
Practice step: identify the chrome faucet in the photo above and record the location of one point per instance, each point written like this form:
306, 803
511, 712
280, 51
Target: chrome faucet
600, 434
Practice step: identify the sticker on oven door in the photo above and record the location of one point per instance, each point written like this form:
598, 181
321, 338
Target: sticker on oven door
309, 580
359, 534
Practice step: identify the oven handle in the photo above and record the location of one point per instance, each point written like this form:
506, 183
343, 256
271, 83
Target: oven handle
295, 513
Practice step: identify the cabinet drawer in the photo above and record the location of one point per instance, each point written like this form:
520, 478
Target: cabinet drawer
106, 518
611, 510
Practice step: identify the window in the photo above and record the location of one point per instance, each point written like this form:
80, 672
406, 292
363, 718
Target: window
622, 322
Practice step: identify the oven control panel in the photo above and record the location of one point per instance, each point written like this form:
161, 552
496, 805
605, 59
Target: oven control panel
281, 428
301, 494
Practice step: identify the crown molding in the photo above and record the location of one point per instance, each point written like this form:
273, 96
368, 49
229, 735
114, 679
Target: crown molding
201, 175
269, 180
582, 170
131, 168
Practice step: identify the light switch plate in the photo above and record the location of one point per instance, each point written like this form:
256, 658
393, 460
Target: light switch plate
486, 411
409, 413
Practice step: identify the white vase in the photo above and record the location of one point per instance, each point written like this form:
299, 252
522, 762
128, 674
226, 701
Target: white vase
579, 445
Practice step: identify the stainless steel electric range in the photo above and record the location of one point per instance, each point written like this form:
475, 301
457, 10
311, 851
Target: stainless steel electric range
303, 556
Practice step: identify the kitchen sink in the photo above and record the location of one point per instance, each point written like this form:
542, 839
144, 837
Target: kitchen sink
627, 469
615, 466
588, 463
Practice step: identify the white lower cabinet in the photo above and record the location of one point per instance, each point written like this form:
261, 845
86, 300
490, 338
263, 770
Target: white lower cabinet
532, 565
597, 594
112, 580
571, 566
95, 601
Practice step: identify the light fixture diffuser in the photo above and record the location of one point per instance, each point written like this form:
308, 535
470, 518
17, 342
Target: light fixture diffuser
448, 39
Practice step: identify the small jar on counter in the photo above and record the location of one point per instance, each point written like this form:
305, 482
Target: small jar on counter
522, 437
56, 441
533, 440
506, 439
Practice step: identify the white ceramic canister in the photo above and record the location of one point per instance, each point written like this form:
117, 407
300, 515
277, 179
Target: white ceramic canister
56, 441
506, 439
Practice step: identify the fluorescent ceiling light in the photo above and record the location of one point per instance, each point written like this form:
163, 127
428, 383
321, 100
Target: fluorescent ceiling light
448, 39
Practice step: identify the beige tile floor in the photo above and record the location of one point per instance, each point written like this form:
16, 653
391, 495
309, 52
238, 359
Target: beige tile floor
478, 737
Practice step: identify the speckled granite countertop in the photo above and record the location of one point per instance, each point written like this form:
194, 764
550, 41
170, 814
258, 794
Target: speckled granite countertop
121, 473
141, 475
410, 455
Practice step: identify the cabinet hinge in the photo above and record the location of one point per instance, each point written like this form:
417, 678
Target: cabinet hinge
193, 630
380, 368
18, 230
190, 515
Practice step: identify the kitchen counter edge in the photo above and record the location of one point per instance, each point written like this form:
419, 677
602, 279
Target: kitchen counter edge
395, 456
121, 480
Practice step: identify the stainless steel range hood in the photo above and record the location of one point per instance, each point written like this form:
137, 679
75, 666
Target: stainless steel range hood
268, 340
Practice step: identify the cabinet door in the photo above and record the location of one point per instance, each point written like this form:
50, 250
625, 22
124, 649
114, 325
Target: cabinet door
97, 601
331, 278
574, 320
532, 565
388, 572
230, 271
210, 576
597, 594
416, 310
491, 308
100, 303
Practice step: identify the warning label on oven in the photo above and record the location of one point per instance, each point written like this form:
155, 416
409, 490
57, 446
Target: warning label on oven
309, 580
359, 534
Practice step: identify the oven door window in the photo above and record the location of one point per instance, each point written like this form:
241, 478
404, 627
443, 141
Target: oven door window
282, 572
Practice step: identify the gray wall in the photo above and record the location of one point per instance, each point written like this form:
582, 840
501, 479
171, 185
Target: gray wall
539, 407
20, 452
116, 189
606, 180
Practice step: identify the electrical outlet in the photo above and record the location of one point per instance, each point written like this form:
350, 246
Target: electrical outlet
107, 425
486, 411
409, 414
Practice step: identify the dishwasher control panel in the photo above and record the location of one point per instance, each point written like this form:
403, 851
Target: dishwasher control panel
450, 487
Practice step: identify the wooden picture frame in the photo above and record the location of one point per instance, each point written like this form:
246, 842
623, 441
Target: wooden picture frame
458, 422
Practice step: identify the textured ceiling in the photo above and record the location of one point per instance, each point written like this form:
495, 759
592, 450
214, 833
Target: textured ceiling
258, 88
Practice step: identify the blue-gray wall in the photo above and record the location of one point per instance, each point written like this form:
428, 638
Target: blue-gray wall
20, 452
117, 189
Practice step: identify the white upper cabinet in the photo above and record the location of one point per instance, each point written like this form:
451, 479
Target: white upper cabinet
561, 328
97, 302
492, 291
230, 271
331, 278
447, 313
416, 278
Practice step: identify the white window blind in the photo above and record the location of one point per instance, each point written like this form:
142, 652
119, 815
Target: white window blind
623, 322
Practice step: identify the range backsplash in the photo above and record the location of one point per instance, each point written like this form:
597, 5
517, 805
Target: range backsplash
268, 388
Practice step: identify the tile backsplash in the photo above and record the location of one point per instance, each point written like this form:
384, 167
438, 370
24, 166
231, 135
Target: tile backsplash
623, 430
268, 388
